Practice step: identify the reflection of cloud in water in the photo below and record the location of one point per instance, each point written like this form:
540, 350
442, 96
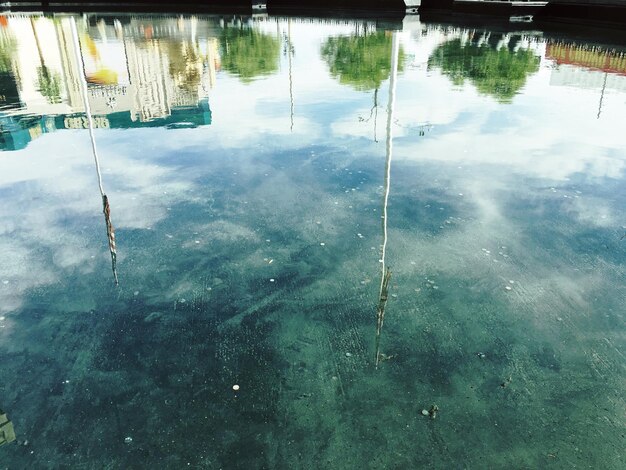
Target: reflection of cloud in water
43, 238
23, 270
589, 210
542, 133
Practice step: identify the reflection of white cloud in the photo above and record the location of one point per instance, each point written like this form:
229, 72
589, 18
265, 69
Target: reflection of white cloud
536, 140
50, 185
20, 270
591, 210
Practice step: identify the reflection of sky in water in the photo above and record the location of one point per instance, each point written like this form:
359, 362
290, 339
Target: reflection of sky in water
248, 253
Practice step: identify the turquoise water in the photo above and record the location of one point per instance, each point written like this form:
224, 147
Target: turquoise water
245, 163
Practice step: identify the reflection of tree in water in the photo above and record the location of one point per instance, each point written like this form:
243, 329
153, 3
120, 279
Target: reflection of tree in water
49, 84
363, 62
8, 47
500, 73
249, 53
185, 65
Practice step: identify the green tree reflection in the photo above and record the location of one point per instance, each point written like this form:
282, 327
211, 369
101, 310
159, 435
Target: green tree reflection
362, 62
248, 53
49, 84
500, 73
8, 47
185, 65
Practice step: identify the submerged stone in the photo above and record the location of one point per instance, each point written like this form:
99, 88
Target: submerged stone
151, 317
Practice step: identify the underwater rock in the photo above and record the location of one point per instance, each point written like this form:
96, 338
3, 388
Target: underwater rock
153, 317
424, 412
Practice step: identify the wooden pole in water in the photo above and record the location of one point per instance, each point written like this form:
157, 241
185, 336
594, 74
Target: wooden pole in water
385, 271
106, 209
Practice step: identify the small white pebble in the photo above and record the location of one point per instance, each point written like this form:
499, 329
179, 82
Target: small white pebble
197, 242
272, 280
511, 282
322, 243
136, 293
5, 282
425, 412
128, 439
235, 387
507, 287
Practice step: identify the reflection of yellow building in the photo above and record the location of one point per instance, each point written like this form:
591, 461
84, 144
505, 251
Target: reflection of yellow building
145, 67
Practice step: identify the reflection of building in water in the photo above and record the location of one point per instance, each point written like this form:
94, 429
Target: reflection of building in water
591, 68
145, 72
587, 67
152, 92
591, 58
41, 62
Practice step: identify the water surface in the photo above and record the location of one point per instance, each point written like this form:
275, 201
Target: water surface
261, 175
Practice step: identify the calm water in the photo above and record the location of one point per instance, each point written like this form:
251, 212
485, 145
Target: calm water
261, 176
